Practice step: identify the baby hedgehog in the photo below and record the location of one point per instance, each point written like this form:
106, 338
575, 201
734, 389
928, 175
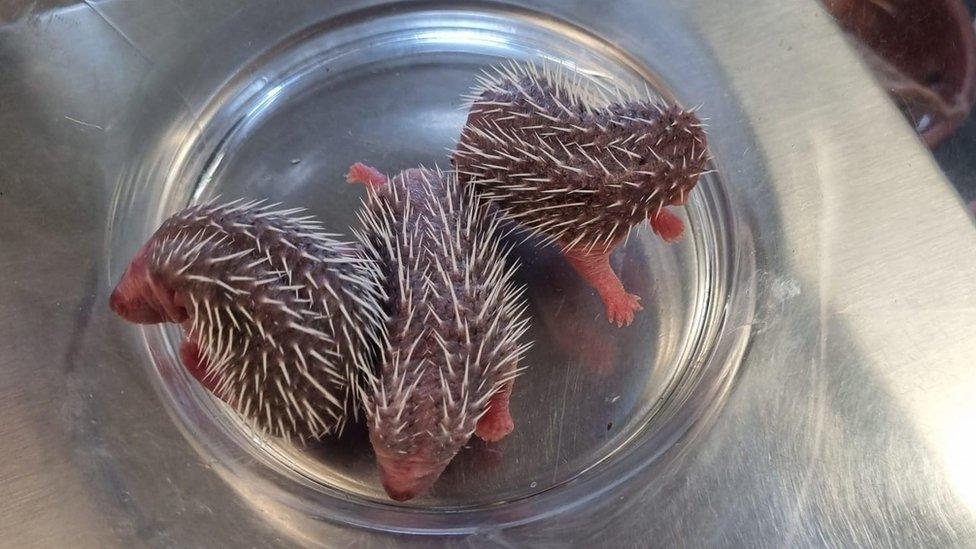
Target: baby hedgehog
555, 155
278, 315
453, 322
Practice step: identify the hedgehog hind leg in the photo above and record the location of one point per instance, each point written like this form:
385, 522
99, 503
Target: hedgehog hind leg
367, 175
497, 422
595, 269
667, 225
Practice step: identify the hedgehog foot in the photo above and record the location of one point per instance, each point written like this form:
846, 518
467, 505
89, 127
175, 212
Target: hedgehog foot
367, 175
595, 269
621, 307
667, 225
497, 422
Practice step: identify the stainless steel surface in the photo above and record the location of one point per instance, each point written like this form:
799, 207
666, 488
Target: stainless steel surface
847, 424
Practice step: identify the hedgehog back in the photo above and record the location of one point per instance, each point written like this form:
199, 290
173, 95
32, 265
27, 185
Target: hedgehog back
283, 313
571, 164
454, 315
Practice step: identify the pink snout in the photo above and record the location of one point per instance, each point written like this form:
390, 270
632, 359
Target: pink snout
141, 300
407, 477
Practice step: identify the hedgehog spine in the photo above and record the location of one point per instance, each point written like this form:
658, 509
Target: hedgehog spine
574, 161
454, 315
282, 312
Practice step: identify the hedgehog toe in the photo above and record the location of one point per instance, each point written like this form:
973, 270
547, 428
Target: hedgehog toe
622, 308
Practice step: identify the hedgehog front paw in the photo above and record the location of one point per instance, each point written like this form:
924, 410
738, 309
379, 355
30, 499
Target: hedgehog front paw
621, 308
493, 427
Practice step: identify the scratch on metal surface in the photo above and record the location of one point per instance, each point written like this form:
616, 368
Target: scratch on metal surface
561, 415
815, 417
83, 123
118, 31
143, 53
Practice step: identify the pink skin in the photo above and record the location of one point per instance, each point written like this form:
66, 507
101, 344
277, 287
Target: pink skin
405, 477
497, 422
367, 175
668, 226
141, 299
594, 267
196, 365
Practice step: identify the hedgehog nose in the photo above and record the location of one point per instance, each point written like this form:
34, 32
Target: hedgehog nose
128, 302
117, 302
405, 479
397, 494
403, 489
133, 311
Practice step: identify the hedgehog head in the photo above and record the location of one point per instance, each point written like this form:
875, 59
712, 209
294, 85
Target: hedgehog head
407, 475
155, 286
417, 425
143, 298
404, 479
431, 392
